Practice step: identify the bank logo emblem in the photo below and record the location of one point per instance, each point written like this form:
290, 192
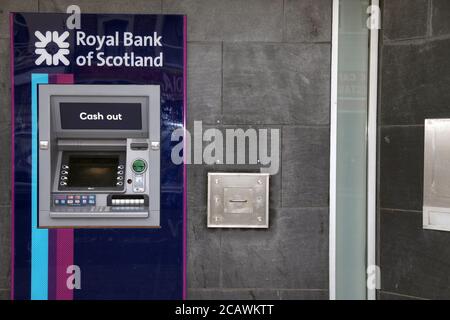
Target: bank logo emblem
52, 48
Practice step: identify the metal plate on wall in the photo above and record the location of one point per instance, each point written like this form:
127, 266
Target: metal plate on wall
238, 200
436, 197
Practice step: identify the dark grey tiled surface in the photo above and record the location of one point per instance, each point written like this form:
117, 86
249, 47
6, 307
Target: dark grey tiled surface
404, 19
257, 294
232, 20
102, 6
5, 247
203, 251
308, 21
304, 294
382, 295
5, 87
441, 17
5, 294
7, 6
198, 184
292, 253
276, 83
401, 163
5, 161
305, 166
415, 82
197, 174
414, 261
233, 294
205, 82
263, 84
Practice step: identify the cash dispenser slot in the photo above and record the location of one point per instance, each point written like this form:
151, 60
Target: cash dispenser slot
95, 145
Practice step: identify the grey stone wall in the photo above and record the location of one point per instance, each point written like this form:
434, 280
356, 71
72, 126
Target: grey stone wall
262, 64
251, 63
415, 82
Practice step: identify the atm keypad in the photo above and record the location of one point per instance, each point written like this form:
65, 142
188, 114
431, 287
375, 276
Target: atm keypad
74, 200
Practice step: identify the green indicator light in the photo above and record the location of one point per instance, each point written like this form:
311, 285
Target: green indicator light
139, 166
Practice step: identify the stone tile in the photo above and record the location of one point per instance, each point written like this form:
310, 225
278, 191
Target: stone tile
204, 82
276, 83
5, 155
5, 294
234, 294
5, 83
291, 254
231, 20
415, 82
440, 19
401, 167
305, 167
256, 294
304, 294
5, 247
198, 184
308, 21
413, 261
203, 251
382, 295
8, 6
404, 19
197, 174
102, 6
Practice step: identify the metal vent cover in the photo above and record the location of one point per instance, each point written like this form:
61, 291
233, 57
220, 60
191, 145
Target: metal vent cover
238, 200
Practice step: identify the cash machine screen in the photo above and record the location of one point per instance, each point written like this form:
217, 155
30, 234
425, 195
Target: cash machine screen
98, 172
87, 171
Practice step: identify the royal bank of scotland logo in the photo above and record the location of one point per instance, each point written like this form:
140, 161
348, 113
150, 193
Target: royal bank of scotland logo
52, 48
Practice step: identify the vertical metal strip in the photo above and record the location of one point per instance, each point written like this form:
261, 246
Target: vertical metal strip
333, 149
372, 149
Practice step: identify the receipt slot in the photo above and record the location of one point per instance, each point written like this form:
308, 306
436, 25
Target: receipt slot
99, 156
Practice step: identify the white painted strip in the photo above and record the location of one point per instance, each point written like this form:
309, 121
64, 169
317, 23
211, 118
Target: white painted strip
372, 152
333, 149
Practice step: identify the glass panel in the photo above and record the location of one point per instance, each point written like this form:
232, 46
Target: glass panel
351, 150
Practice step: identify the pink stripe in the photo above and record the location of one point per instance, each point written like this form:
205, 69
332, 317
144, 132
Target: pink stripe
11, 56
64, 237
64, 258
184, 155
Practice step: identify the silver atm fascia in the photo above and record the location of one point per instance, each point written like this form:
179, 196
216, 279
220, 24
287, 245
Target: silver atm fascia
124, 161
436, 197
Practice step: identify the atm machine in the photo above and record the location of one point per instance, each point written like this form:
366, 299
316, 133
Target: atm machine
99, 156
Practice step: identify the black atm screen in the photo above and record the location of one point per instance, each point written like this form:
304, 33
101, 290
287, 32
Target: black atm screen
95, 172
100, 116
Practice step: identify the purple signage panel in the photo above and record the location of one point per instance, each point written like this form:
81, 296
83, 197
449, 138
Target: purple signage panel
106, 49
